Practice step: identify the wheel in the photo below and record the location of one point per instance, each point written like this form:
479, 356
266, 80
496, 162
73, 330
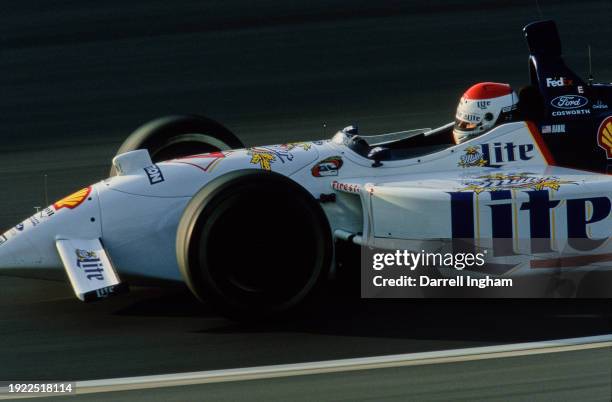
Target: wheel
255, 244
176, 136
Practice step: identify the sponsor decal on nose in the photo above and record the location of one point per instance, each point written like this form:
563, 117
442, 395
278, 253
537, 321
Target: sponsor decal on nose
73, 200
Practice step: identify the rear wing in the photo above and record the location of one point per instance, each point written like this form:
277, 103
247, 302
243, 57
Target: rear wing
543, 39
565, 94
569, 112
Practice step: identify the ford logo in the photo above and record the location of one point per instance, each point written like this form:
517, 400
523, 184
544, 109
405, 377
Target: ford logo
569, 102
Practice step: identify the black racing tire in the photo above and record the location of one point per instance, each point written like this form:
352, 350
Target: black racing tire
176, 136
255, 244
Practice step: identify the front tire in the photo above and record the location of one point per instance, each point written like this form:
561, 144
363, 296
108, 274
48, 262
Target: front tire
254, 243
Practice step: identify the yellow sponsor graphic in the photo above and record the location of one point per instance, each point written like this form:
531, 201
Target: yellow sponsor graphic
290, 145
266, 156
472, 157
604, 136
73, 200
263, 159
524, 180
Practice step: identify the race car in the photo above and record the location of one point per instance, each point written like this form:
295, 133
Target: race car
255, 230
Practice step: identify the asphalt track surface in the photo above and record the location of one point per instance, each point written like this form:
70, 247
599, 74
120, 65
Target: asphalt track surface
80, 76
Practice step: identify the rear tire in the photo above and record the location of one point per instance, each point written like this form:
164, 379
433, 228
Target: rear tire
255, 244
177, 136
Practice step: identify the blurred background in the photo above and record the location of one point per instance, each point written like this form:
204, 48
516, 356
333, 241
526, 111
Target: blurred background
78, 77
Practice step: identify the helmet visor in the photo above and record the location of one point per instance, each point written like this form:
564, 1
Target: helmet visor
467, 126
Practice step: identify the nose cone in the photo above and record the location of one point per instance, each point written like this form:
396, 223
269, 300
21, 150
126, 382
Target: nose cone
18, 250
29, 247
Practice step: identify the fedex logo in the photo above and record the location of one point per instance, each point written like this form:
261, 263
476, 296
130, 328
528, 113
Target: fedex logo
495, 155
504, 214
559, 82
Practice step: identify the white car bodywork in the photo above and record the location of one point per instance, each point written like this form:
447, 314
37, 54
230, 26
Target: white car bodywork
135, 214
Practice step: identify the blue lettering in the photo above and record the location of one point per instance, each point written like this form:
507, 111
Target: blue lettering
539, 207
577, 221
501, 217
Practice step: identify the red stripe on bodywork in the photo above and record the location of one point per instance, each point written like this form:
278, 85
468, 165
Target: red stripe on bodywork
571, 261
535, 133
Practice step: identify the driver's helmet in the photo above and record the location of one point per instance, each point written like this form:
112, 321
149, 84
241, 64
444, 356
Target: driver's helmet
481, 108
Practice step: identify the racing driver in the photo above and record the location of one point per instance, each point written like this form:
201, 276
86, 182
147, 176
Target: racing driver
482, 107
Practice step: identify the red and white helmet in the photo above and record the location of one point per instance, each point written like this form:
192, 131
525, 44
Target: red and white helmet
481, 108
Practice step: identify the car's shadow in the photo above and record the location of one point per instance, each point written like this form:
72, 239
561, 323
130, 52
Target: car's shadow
338, 312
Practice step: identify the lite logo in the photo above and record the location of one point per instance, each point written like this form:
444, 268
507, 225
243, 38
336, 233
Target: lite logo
154, 174
581, 212
559, 82
483, 104
91, 264
105, 292
495, 155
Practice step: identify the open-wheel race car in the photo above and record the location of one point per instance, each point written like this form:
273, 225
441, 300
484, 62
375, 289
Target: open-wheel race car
253, 230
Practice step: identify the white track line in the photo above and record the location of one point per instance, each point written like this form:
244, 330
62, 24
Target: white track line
343, 365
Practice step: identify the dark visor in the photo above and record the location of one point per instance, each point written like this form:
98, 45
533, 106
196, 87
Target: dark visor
466, 125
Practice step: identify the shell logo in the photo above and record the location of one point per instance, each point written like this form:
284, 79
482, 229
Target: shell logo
604, 136
73, 200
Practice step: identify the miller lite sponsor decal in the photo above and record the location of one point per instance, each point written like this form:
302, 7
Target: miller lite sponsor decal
532, 210
495, 155
516, 181
154, 174
604, 136
90, 263
103, 293
483, 104
73, 200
